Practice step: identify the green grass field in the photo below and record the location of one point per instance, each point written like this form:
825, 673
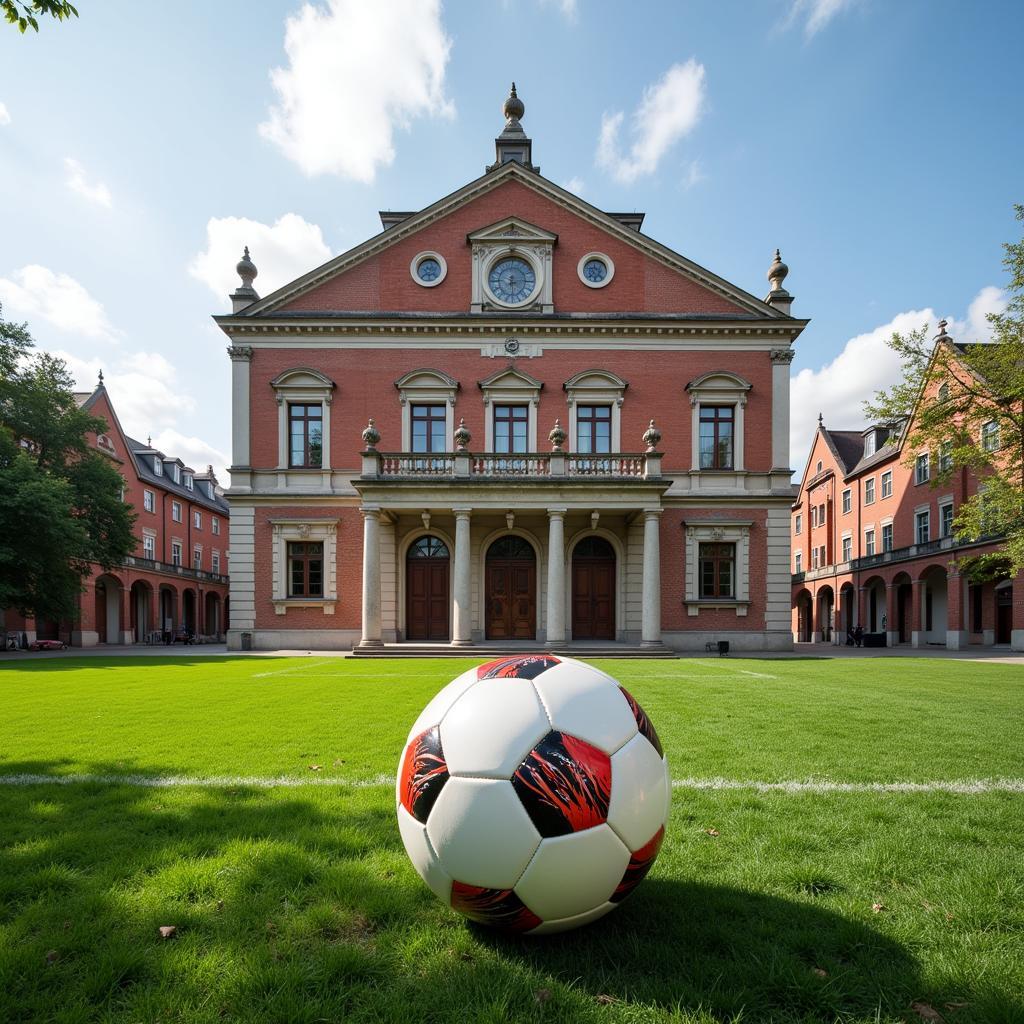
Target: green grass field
294, 901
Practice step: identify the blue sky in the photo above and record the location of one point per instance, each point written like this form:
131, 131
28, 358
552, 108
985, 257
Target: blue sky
877, 143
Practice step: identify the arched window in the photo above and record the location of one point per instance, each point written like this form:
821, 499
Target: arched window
512, 548
429, 547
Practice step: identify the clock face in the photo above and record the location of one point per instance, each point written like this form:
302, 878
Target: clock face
512, 280
595, 270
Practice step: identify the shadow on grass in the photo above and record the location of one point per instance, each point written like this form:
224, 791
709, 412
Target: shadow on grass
299, 905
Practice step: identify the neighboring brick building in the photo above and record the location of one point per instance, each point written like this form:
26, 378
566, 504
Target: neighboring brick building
509, 350
177, 579
873, 546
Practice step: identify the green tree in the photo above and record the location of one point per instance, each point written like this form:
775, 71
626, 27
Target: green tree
975, 421
60, 499
22, 14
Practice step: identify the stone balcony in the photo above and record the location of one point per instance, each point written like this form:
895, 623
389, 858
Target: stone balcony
546, 467
170, 569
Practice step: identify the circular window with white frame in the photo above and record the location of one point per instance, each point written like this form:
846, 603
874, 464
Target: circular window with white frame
595, 269
512, 279
428, 269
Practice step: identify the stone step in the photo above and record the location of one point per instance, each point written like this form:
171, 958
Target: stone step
484, 652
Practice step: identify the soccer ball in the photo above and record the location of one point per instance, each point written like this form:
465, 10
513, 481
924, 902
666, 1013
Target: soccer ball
533, 794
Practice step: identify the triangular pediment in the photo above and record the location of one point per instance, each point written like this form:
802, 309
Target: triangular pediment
511, 378
513, 229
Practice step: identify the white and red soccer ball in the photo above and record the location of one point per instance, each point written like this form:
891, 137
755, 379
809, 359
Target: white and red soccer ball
533, 794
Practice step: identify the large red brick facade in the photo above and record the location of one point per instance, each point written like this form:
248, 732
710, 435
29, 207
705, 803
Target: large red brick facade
175, 584
632, 532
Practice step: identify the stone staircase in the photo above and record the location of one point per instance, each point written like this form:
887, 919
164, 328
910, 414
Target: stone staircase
497, 649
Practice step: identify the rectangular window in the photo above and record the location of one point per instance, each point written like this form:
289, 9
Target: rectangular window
847, 548
176, 511
197, 520
510, 428
990, 436
922, 470
149, 547
847, 500
799, 524
814, 558
946, 520
149, 501
158, 467
821, 514
305, 436
428, 428
798, 561
716, 432
814, 515
215, 561
945, 456
594, 429
870, 443
887, 484
305, 570
887, 537
869, 491
215, 524
197, 558
188, 481
175, 552
717, 565
923, 527
869, 542
822, 557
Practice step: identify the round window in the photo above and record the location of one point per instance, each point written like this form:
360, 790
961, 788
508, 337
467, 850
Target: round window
428, 269
595, 269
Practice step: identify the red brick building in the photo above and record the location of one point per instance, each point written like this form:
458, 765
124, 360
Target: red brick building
177, 579
873, 546
572, 433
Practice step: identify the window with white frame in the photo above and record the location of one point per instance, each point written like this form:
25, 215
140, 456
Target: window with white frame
822, 557
922, 469
149, 546
887, 536
215, 560
197, 557
847, 500
197, 520
717, 557
215, 524
869, 541
870, 443
599, 393
158, 466
847, 547
304, 553
175, 552
176, 511
148, 501
869, 491
814, 516
176, 472
945, 456
922, 526
798, 524
946, 519
188, 482
304, 397
821, 514
990, 436
427, 388
717, 402
798, 561
887, 484
814, 558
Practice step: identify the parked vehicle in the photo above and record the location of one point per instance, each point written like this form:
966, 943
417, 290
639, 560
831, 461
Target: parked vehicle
47, 645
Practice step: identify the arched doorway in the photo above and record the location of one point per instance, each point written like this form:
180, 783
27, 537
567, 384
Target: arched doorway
876, 612
933, 604
846, 610
1004, 612
427, 603
168, 621
804, 623
108, 609
188, 611
211, 618
826, 603
511, 590
593, 590
141, 611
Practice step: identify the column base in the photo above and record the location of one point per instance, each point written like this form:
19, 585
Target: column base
651, 643
956, 639
371, 643
462, 643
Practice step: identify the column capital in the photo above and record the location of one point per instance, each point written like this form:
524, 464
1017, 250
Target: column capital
240, 353
370, 512
557, 513
462, 513
652, 513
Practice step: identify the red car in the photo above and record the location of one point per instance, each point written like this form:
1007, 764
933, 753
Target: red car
47, 645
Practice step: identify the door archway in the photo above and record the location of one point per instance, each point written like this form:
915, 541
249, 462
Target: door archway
511, 589
427, 602
593, 590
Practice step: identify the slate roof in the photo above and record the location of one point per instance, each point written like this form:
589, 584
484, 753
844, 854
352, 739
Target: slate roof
143, 460
848, 446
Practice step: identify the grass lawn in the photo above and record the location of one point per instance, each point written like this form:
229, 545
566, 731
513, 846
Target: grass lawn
295, 902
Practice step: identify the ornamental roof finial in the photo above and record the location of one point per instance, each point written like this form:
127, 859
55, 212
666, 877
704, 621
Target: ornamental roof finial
942, 335
513, 108
819, 420
101, 379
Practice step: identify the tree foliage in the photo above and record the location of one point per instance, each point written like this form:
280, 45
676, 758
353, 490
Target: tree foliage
60, 499
23, 14
975, 422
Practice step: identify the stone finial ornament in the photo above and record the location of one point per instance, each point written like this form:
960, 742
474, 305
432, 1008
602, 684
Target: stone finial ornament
652, 437
371, 436
820, 423
462, 436
513, 108
557, 436
942, 335
246, 269
777, 272
101, 379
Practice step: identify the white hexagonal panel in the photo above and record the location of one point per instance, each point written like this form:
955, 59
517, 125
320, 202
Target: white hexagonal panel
424, 860
565, 923
481, 833
583, 704
639, 792
438, 706
492, 727
572, 875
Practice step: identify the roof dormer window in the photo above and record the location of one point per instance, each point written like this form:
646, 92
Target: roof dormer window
870, 443
175, 472
188, 481
158, 466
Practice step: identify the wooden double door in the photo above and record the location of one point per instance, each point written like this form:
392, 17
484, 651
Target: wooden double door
593, 590
427, 603
511, 581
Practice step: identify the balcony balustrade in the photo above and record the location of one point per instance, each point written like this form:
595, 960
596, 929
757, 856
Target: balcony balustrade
151, 565
525, 466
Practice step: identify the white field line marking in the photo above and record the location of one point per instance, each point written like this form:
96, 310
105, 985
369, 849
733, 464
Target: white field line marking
791, 786
289, 671
741, 671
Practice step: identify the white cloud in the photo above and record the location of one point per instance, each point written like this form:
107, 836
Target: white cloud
282, 251
194, 452
816, 14
866, 365
694, 175
356, 71
569, 8
574, 185
59, 299
668, 111
95, 192
5, 115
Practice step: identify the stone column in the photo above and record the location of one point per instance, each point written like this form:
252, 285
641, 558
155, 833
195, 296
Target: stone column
462, 618
862, 608
917, 613
892, 615
371, 578
241, 355
1017, 615
650, 619
556, 576
781, 358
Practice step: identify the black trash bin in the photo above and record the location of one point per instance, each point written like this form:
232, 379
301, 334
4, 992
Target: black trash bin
247, 641
723, 648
